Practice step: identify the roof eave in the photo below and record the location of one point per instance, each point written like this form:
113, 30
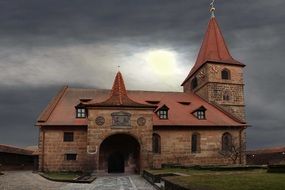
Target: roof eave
234, 62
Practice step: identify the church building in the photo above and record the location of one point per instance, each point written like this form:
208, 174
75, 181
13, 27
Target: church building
122, 130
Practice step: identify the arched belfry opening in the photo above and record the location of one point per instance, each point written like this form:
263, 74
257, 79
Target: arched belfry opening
120, 153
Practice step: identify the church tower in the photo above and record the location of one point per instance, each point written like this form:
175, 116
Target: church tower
216, 76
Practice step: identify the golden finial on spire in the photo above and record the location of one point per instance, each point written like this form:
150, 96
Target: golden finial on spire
212, 9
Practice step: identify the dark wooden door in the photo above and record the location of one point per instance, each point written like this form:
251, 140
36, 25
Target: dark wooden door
116, 163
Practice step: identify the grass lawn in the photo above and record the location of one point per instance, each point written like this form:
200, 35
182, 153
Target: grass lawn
232, 181
62, 175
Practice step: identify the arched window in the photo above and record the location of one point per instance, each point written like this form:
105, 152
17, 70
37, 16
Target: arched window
226, 74
195, 146
226, 96
156, 143
227, 142
194, 83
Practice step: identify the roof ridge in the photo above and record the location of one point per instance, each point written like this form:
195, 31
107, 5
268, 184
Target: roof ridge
43, 117
14, 149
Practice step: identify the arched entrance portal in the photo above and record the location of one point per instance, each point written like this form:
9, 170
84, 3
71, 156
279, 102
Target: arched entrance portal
119, 153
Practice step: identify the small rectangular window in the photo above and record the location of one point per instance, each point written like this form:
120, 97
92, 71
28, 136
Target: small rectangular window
80, 113
201, 114
70, 156
68, 137
162, 114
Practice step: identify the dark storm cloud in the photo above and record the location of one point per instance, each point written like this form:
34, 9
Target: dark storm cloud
19, 109
45, 44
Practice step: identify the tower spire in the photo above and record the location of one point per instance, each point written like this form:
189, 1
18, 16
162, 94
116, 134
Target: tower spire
214, 47
212, 9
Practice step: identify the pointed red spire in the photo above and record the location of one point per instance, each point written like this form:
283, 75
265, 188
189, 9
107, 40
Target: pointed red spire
119, 97
213, 49
119, 91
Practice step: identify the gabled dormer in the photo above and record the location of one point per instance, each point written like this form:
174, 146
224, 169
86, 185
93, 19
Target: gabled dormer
162, 112
200, 113
80, 111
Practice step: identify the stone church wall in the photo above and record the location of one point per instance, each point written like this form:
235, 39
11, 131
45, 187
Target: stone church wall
54, 149
176, 147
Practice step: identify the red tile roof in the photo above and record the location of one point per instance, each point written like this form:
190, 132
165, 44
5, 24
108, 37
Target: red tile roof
15, 150
118, 97
179, 114
47, 111
267, 150
213, 49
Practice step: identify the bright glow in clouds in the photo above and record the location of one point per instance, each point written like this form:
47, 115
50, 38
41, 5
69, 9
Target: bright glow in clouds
161, 61
93, 66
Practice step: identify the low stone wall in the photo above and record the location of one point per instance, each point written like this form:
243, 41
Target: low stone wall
276, 169
171, 186
217, 167
155, 178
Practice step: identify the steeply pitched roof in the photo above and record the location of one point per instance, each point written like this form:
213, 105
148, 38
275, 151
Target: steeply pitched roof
213, 49
118, 97
178, 114
48, 110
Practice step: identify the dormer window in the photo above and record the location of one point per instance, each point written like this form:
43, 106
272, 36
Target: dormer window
162, 113
80, 112
200, 113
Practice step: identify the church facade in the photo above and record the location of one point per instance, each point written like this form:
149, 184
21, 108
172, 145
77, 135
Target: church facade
119, 130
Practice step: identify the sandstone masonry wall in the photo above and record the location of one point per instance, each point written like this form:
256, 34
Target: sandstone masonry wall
53, 149
176, 147
212, 87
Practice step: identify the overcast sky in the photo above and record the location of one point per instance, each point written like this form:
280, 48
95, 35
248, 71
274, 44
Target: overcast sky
45, 44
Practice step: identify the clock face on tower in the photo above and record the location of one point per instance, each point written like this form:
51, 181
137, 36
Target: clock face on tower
214, 68
201, 75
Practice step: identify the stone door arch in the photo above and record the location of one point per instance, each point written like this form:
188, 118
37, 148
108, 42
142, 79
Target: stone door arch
120, 153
